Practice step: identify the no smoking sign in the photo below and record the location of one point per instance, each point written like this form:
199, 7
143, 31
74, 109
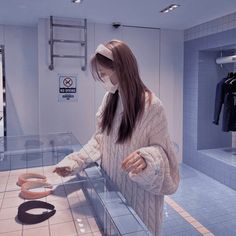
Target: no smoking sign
67, 88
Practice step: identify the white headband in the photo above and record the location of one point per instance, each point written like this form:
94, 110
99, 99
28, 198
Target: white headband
101, 49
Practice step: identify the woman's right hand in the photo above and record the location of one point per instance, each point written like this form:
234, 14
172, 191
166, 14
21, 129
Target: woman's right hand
63, 171
69, 165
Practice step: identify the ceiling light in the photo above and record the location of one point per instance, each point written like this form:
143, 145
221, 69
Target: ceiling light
77, 1
169, 8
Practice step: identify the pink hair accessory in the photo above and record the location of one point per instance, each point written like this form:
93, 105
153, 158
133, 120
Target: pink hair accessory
23, 178
27, 194
103, 50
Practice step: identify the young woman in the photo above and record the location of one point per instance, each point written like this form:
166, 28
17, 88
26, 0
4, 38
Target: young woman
131, 137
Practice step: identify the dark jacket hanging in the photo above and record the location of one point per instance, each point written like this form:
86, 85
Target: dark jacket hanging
226, 94
229, 115
219, 100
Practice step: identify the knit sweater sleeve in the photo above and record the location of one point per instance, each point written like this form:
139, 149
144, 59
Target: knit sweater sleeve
90, 152
161, 176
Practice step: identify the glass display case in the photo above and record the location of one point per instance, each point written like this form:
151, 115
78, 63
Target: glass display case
85, 204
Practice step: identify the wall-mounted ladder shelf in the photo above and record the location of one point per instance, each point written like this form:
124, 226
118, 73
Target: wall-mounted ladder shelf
83, 42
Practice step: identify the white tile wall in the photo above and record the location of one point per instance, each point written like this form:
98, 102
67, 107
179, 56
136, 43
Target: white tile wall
211, 27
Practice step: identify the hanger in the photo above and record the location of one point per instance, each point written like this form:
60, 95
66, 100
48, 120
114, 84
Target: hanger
232, 81
228, 80
229, 77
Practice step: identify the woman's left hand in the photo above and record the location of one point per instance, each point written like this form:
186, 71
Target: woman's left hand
134, 163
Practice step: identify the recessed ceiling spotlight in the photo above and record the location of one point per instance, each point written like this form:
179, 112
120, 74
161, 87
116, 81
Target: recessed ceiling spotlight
77, 1
170, 8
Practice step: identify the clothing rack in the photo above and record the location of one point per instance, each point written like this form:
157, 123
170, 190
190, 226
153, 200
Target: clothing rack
224, 60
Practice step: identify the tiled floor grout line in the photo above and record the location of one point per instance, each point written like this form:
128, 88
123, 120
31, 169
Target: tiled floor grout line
184, 214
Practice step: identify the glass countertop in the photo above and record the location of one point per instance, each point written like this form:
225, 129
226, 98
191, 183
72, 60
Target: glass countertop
35, 154
39, 154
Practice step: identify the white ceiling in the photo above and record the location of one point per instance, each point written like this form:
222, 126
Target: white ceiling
128, 12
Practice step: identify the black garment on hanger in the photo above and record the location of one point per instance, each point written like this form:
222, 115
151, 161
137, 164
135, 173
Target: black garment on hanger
229, 115
225, 94
219, 99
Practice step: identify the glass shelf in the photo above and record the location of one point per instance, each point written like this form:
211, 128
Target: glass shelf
112, 209
35, 154
86, 203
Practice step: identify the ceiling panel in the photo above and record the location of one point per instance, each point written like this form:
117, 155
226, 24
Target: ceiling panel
129, 12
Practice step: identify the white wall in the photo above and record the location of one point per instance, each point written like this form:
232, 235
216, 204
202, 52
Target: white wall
171, 82
32, 89
21, 78
78, 117
54, 116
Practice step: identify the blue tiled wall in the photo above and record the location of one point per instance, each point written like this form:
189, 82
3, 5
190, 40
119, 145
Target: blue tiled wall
199, 94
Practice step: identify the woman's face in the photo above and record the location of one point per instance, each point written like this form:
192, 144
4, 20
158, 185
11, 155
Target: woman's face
107, 73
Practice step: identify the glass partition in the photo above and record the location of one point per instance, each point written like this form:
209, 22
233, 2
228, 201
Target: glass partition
87, 203
37, 154
112, 209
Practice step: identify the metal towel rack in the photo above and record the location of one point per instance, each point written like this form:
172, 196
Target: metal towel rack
52, 41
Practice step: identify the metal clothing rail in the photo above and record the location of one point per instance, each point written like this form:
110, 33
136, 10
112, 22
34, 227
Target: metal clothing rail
52, 41
224, 60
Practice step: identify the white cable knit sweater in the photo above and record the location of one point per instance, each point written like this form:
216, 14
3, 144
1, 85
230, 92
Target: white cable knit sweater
145, 191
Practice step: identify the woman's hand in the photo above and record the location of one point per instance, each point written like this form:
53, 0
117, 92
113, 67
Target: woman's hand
134, 163
62, 171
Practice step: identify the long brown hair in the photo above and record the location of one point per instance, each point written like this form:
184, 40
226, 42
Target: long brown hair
131, 88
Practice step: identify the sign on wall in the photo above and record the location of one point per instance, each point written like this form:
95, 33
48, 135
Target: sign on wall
67, 88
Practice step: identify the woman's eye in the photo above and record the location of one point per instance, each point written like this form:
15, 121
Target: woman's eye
102, 74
